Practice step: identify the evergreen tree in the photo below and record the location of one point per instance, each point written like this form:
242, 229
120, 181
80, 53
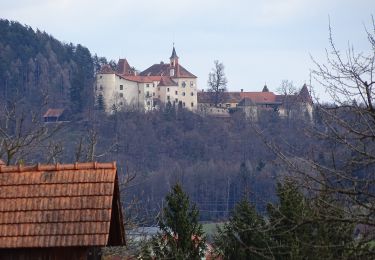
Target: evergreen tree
181, 235
244, 236
300, 230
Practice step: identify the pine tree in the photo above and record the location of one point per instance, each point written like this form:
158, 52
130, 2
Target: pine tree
244, 236
300, 230
181, 235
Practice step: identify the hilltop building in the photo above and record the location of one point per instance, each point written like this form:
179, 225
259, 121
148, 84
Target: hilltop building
253, 103
150, 89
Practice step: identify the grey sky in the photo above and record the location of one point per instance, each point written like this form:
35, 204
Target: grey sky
258, 41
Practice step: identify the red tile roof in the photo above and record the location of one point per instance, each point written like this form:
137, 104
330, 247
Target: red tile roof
59, 205
53, 112
259, 97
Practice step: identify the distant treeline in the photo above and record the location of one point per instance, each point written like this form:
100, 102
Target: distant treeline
40, 70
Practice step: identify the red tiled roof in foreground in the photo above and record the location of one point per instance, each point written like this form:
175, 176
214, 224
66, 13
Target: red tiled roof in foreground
60, 205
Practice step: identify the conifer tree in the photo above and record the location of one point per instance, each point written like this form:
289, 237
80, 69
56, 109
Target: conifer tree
181, 235
300, 230
244, 236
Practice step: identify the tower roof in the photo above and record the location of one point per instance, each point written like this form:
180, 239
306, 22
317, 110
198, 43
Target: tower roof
174, 55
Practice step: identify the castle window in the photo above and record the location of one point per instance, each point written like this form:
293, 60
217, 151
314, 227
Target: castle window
101, 87
121, 103
183, 93
168, 97
176, 92
139, 92
100, 76
183, 84
147, 85
192, 104
167, 89
121, 87
176, 100
192, 93
121, 95
153, 94
183, 104
191, 83
148, 103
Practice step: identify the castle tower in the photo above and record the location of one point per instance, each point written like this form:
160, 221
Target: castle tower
174, 67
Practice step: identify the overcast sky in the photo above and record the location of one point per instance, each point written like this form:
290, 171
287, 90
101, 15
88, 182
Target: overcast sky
258, 41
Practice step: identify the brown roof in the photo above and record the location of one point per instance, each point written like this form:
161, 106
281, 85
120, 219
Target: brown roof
259, 97
124, 68
106, 69
59, 205
142, 79
236, 97
167, 81
304, 95
162, 69
53, 112
226, 97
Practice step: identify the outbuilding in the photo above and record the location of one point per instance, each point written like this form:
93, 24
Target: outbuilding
60, 211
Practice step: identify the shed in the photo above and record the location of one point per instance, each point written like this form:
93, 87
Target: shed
54, 115
60, 211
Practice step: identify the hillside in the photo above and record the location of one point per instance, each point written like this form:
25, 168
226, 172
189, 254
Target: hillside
38, 69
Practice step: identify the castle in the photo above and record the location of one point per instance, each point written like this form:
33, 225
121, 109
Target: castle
148, 90
170, 83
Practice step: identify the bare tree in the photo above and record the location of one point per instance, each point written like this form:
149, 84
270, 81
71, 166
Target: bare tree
22, 132
338, 172
217, 83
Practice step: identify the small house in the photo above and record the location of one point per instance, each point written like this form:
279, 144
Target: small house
60, 211
54, 115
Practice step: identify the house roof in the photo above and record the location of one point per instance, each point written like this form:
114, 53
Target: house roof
142, 79
167, 81
53, 112
259, 97
226, 97
304, 95
174, 54
236, 97
124, 68
106, 69
60, 205
162, 69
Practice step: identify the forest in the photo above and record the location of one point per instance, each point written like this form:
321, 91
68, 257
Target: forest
326, 165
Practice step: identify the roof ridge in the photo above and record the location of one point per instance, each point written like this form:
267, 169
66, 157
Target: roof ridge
57, 167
